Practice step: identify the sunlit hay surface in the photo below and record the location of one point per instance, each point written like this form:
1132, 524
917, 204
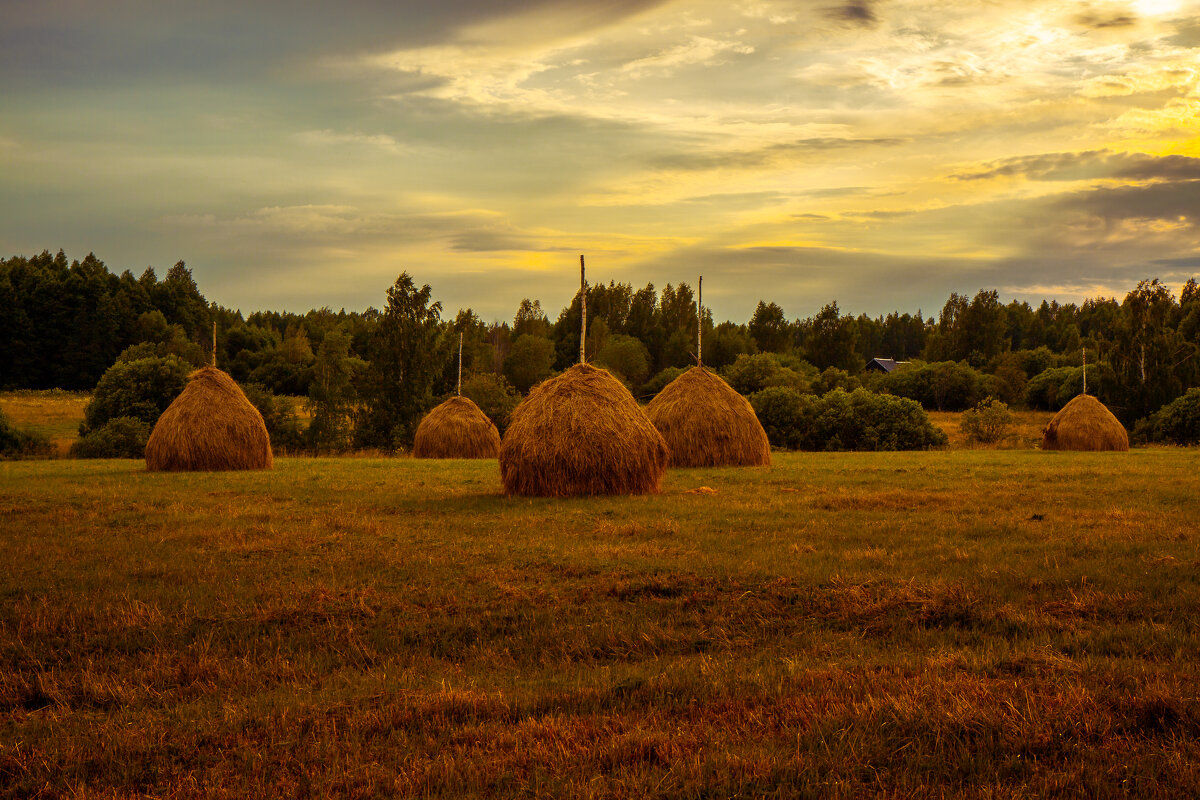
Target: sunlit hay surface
707, 424
210, 426
581, 433
456, 429
1084, 424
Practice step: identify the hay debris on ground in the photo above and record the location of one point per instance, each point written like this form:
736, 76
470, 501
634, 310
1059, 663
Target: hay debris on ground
706, 423
456, 429
1085, 424
581, 433
209, 426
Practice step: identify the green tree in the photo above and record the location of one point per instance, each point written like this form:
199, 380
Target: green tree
627, 358
830, 341
404, 362
332, 394
529, 361
770, 328
140, 389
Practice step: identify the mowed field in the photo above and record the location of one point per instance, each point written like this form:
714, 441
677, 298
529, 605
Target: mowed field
977, 623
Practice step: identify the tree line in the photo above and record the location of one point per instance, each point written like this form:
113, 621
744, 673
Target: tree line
368, 376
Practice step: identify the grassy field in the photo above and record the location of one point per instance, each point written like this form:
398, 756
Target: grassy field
54, 414
977, 623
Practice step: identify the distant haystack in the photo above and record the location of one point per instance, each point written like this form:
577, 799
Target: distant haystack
1084, 424
209, 426
707, 424
456, 429
581, 433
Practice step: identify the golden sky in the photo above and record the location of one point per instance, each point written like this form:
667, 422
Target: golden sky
881, 153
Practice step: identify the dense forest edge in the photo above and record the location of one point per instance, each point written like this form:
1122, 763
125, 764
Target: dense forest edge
364, 379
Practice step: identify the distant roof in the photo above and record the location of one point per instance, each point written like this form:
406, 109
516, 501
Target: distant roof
884, 364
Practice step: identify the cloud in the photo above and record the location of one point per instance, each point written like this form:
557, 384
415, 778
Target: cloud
1089, 165
855, 13
766, 155
1106, 18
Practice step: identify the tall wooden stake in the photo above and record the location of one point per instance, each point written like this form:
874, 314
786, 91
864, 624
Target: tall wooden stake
460, 363
214, 358
1085, 370
699, 321
582, 309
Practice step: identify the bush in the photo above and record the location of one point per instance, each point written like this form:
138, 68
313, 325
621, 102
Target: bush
626, 357
279, 415
942, 385
1053, 388
988, 422
141, 389
120, 437
840, 420
751, 374
494, 396
1178, 422
17, 443
659, 382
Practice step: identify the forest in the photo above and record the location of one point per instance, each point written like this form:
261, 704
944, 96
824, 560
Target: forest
366, 377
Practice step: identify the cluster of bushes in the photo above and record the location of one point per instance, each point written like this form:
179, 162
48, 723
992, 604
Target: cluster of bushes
841, 420
1178, 422
19, 443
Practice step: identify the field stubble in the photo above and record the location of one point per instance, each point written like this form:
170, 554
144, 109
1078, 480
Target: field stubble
976, 623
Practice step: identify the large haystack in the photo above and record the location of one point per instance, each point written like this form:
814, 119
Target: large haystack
707, 424
210, 426
1084, 424
581, 433
456, 429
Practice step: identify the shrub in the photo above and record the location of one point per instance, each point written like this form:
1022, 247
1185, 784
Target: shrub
943, 385
659, 382
141, 389
17, 443
626, 357
1053, 388
120, 437
751, 374
494, 396
841, 420
988, 422
279, 414
1178, 422
786, 415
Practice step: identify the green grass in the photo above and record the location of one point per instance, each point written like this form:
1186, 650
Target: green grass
977, 623
54, 414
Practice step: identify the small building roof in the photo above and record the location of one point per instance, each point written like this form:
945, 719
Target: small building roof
884, 364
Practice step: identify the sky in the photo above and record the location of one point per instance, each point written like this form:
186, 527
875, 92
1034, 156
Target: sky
880, 153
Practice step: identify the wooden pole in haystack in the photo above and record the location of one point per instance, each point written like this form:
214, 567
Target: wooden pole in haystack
1085, 370
214, 356
582, 310
699, 320
460, 363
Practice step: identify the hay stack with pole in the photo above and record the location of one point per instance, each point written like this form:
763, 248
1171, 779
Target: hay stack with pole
209, 426
456, 428
704, 421
581, 433
1085, 424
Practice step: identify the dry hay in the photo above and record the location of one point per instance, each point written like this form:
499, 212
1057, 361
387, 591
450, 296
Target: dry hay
581, 433
456, 429
706, 423
1084, 424
209, 426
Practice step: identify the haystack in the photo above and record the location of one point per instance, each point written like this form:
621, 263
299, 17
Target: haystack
456, 429
707, 424
581, 433
1084, 424
210, 426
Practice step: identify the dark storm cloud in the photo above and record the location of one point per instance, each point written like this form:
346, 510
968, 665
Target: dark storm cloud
700, 160
1177, 202
1090, 165
98, 43
857, 13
